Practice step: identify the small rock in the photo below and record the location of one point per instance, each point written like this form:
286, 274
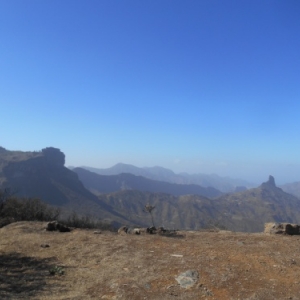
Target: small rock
97, 232
45, 245
147, 286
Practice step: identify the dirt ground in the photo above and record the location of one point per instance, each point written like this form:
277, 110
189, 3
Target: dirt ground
111, 266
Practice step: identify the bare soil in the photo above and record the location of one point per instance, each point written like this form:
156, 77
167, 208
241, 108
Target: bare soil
111, 266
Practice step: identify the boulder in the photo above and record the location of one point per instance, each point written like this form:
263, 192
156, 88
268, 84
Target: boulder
62, 228
151, 230
55, 226
51, 226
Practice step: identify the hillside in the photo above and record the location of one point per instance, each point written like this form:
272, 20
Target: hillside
244, 211
133, 267
107, 184
224, 184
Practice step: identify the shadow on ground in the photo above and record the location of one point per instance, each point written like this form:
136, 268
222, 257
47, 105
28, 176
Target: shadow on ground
23, 277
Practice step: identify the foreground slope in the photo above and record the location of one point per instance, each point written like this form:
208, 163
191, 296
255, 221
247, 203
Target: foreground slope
110, 266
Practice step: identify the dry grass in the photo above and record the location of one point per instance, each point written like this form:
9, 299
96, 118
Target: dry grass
111, 266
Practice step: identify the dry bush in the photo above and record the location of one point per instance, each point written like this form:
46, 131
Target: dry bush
28, 209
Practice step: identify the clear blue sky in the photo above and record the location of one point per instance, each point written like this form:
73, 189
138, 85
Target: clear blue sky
197, 86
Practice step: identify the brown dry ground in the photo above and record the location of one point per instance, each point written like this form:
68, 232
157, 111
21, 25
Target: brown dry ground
110, 266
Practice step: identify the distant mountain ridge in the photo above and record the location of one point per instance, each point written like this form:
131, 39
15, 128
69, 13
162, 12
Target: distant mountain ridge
223, 184
125, 181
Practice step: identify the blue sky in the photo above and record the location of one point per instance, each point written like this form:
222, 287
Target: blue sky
198, 86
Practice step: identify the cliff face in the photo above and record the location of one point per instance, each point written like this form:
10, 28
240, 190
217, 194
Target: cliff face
43, 175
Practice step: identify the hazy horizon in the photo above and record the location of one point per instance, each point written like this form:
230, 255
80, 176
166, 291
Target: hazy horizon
194, 86
250, 178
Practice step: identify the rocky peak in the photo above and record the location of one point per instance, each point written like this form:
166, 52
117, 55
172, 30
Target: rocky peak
270, 182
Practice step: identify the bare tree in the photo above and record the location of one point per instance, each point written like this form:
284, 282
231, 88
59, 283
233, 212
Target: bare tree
149, 208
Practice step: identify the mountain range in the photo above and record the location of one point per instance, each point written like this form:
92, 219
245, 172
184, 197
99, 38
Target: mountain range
223, 184
100, 184
121, 199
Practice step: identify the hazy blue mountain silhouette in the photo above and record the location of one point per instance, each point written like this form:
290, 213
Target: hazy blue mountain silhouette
125, 181
224, 184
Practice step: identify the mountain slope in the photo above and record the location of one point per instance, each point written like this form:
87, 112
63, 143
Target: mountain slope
250, 209
107, 184
292, 188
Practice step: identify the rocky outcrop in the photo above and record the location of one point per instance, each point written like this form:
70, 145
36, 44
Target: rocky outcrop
54, 156
282, 228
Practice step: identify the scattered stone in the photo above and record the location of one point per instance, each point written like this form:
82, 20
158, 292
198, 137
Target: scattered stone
187, 279
177, 255
45, 245
282, 228
62, 228
161, 230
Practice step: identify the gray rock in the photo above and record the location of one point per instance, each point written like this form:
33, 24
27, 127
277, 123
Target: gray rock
187, 279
